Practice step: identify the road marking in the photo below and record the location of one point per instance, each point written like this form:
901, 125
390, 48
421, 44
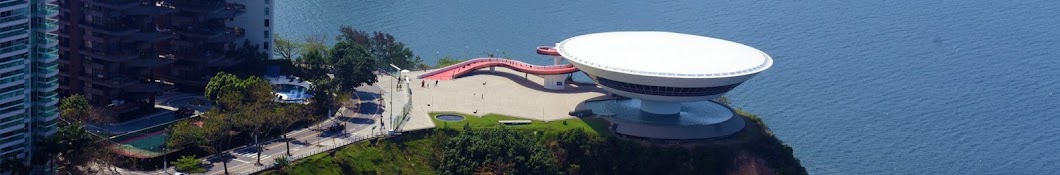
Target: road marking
237, 159
253, 155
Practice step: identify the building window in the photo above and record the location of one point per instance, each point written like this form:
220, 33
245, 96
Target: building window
266, 34
265, 45
266, 22
266, 11
664, 90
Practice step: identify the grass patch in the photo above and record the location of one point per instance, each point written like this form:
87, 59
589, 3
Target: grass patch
385, 157
594, 126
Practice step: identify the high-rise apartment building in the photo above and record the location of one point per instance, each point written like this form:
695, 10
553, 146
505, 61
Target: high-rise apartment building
28, 75
108, 52
256, 23
120, 54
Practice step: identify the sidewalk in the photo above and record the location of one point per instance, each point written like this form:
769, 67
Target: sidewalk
394, 101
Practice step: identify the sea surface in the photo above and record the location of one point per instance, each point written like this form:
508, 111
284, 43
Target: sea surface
857, 87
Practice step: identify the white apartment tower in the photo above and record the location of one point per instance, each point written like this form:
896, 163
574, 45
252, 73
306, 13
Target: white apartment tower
28, 75
256, 23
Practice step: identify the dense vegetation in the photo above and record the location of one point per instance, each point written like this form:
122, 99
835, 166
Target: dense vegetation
551, 150
244, 112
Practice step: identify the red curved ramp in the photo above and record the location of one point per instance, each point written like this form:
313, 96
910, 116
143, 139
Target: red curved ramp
456, 70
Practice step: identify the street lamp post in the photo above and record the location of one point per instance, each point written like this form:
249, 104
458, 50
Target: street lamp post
392, 91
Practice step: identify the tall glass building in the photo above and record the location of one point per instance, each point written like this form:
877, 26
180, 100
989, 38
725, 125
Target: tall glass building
28, 75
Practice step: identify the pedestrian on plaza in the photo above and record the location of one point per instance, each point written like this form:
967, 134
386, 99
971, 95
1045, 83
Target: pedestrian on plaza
423, 83
435, 83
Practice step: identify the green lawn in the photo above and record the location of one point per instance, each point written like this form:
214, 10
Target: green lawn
413, 152
590, 125
409, 157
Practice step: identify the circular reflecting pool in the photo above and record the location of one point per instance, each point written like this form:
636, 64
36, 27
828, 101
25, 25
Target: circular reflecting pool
449, 117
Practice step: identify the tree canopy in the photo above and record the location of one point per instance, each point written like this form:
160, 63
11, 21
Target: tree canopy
75, 108
284, 48
71, 147
227, 90
383, 48
353, 66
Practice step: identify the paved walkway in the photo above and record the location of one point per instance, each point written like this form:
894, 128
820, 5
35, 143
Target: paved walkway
394, 100
505, 91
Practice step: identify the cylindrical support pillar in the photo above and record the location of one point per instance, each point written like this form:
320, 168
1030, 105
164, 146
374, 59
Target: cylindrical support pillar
554, 82
556, 60
659, 107
492, 69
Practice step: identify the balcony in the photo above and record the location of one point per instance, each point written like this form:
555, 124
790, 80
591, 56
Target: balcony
12, 3
48, 115
48, 99
114, 4
230, 10
47, 10
47, 70
199, 6
13, 50
145, 11
111, 56
18, 32
115, 28
203, 31
228, 36
48, 85
115, 81
152, 35
12, 96
20, 18
49, 25
152, 61
47, 40
13, 78
47, 57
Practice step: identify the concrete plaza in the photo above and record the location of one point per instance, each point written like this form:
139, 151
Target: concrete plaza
504, 91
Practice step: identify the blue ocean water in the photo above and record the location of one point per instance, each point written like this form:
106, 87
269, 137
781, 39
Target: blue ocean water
858, 87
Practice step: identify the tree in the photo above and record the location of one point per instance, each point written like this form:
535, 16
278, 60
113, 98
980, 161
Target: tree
72, 148
323, 99
189, 164
212, 133
247, 104
237, 90
284, 48
315, 43
315, 65
220, 82
382, 47
353, 66
496, 151
290, 115
75, 108
252, 109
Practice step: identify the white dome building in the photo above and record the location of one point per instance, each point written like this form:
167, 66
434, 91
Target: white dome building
663, 68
